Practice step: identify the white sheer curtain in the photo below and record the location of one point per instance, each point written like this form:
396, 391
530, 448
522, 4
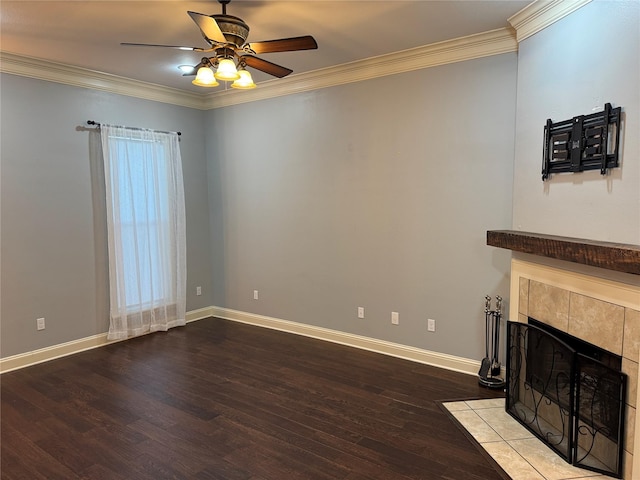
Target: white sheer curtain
146, 230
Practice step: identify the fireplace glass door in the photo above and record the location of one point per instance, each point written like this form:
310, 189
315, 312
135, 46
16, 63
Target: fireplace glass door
570, 400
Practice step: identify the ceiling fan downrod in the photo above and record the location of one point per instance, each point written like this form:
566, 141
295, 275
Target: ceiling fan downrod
224, 4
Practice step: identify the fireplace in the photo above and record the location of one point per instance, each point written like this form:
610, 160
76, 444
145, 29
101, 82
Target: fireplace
589, 290
567, 392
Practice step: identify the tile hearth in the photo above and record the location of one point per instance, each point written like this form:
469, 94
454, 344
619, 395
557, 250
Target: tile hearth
521, 455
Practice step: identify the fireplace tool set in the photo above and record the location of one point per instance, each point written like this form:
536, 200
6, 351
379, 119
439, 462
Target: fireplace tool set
489, 374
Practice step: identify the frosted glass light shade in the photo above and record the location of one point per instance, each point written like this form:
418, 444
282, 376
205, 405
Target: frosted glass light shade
227, 70
245, 82
205, 78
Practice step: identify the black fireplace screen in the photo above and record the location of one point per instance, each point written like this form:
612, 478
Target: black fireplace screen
570, 400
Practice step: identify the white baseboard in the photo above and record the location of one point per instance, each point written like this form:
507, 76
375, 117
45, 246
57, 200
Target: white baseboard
75, 346
436, 359
50, 353
199, 314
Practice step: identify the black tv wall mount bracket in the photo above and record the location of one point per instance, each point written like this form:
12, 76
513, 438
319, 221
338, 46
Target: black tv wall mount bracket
586, 142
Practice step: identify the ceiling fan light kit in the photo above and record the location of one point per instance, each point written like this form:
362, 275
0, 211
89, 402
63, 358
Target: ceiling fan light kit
227, 70
226, 36
245, 82
205, 78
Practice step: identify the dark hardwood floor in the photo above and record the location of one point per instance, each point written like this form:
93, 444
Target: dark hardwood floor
223, 400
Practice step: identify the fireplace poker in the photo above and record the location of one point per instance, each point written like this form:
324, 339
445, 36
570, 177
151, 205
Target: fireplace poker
486, 361
495, 367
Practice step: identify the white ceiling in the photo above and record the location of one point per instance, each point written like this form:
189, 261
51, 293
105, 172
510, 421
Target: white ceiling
88, 33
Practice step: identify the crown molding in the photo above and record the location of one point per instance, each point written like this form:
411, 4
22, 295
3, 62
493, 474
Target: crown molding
81, 77
540, 14
480, 45
493, 42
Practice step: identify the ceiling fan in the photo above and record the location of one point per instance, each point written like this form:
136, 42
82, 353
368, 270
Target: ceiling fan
226, 36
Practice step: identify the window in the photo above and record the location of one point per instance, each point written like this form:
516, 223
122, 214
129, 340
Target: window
145, 220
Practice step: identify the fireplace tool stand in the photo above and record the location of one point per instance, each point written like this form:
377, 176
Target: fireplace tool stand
489, 374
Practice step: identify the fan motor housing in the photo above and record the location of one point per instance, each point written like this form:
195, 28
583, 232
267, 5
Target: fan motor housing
233, 28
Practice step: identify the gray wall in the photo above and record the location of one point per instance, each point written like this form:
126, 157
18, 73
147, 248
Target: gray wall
374, 194
572, 68
53, 246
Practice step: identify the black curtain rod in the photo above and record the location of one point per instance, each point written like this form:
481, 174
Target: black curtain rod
91, 122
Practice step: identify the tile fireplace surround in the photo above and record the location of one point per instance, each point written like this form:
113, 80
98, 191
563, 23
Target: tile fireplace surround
592, 303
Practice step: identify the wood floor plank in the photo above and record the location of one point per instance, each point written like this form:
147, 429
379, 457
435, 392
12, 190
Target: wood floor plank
227, 401
33, 461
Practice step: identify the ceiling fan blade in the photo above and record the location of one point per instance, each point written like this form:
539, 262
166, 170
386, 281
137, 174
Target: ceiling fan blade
179, 47
208, 26
265, 66
306, 42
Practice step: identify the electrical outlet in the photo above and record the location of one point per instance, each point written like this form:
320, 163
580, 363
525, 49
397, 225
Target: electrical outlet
255, 294
395, 318
198, 290
360, 312
40, 323
431, 325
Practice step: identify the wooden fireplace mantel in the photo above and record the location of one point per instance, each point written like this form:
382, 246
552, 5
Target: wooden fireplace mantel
619, 257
